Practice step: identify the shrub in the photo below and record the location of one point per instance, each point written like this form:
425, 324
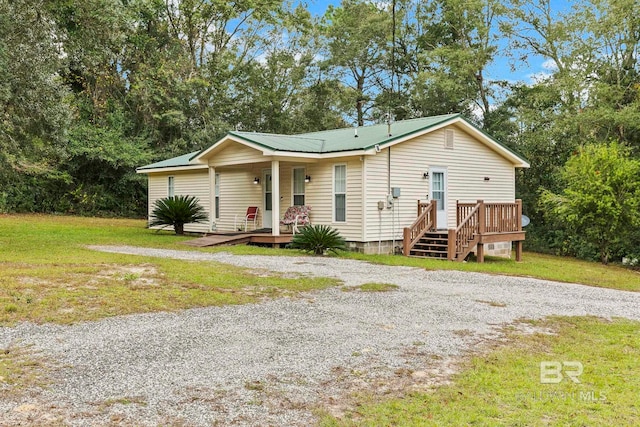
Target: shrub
177, 211
318, 239
600, 204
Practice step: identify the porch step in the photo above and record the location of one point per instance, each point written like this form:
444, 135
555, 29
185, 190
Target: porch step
431, 245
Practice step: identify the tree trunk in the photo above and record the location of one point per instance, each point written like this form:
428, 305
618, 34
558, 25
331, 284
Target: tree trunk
179, 229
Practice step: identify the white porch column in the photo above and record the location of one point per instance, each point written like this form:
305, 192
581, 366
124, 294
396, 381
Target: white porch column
212, 196
275, 194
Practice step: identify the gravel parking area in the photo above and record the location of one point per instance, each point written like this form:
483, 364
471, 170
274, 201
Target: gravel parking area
272, 363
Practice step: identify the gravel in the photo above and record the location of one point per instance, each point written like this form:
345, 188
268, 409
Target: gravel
273, 362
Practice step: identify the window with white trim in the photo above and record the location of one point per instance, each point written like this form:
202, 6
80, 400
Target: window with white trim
171, 187
298, 186
217, 196
340, 193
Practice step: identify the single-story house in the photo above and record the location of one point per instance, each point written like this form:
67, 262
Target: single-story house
370, 182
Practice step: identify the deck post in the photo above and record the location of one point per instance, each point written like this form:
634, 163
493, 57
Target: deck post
519, 214
275, 195
434, 215
419, 210
212, 197
519, 250
482, 222
451, 244
480, 252
406, 241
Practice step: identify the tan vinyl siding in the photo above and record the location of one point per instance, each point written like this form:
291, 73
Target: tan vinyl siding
467, 164
237, 193
319, 195
235, 154
187, 183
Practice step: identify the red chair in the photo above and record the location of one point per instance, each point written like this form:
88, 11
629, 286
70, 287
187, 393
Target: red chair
251, 215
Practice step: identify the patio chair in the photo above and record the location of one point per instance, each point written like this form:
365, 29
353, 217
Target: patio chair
250, 216
296, 217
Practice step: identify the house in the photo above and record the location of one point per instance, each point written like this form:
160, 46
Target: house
370, 182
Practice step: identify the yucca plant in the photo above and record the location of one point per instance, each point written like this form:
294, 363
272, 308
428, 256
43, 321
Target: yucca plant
177, 211
318, 239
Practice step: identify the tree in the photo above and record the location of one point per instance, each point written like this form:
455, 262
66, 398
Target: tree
456, 45
601, 201
34, 107
357, 35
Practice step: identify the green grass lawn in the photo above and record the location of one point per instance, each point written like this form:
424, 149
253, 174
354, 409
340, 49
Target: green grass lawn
48, 275
503, 387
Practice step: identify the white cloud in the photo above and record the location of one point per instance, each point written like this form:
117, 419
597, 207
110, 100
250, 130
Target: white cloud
549, 65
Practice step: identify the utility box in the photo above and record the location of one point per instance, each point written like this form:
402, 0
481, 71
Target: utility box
395, 192
381, 205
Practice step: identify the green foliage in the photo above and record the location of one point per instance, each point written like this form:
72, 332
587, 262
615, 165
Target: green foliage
601, 200
177, 211
318, 239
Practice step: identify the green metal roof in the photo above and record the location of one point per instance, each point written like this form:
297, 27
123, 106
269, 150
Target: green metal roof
330, 141
173, 162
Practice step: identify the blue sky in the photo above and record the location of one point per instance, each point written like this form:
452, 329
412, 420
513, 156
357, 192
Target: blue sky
501, 69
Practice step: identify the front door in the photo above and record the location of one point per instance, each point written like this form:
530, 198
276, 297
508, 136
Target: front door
267, 199
438, 191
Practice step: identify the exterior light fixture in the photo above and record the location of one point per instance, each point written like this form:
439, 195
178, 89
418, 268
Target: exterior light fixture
425, 175
486, 178
307, 179
256, 180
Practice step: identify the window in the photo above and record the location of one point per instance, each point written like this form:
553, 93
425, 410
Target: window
340, 193
437, 192
217, 196
298, 186
170, 187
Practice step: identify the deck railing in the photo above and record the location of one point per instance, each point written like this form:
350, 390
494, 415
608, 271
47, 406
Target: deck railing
503, 217
425, 222
467, 231
473, 220
480, 218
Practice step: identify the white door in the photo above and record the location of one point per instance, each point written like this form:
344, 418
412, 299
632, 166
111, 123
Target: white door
438, 191
267, 199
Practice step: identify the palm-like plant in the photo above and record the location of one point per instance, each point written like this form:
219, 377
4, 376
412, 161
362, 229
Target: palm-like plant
177, 211
318, 239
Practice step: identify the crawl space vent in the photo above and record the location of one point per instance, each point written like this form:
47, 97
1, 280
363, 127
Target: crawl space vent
448, 139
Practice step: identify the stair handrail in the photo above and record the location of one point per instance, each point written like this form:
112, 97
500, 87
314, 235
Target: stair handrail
425, 222
470, 228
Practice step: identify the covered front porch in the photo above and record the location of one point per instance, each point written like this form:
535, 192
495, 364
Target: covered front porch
270, 187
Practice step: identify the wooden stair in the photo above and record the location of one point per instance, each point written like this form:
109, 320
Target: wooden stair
477, 224
432, 244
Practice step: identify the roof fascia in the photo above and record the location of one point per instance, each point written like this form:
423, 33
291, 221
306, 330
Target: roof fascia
173, 168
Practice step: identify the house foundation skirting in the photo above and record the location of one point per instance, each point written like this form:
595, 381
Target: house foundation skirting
499, 249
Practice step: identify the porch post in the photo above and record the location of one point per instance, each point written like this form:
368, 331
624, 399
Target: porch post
275, 194
212, 196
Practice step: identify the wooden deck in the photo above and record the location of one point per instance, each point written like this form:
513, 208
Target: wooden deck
222, 239
477, 224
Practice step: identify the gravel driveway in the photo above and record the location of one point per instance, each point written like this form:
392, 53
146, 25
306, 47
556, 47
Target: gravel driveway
273, 362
